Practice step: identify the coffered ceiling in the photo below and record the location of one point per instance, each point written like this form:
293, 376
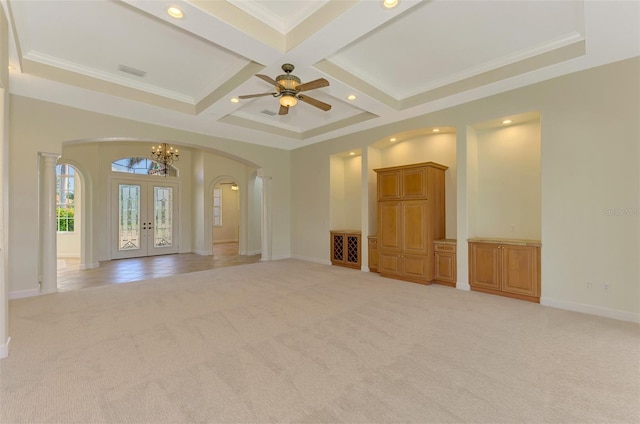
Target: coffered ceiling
131, 59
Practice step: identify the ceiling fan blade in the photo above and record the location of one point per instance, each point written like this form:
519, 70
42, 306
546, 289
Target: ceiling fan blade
269, 80
283, 110
250, 96
311, 85
314, 102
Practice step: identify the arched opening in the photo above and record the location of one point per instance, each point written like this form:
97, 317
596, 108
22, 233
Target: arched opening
108, 163
69, 216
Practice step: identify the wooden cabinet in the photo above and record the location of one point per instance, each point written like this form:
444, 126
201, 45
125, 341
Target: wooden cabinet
505, 267
345, 248
373, 253
411, 215
445, 262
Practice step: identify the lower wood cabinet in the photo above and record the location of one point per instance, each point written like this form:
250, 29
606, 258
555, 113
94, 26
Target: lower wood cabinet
445, 262
345, 248
505, 267
373, 253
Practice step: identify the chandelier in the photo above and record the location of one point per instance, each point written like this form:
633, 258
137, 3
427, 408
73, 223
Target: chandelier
165, 155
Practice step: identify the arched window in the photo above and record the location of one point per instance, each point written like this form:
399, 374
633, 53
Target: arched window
65, 197
142, 166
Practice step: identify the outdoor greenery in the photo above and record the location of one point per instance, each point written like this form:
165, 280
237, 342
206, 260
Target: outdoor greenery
65, 219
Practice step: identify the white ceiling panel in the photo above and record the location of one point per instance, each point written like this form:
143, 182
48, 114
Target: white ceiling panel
98, 36
450, 40
281, 15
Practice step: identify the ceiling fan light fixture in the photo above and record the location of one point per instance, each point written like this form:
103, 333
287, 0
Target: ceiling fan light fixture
288, 101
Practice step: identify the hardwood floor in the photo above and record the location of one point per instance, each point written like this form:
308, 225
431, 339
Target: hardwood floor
70, 277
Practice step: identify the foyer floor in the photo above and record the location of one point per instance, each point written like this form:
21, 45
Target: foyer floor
70, 277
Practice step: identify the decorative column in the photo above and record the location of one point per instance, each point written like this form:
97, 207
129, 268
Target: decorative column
48, 221
266, 218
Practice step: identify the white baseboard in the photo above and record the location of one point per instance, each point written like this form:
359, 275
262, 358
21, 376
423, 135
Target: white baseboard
19, 294
202, 252
4, 348
591, 309
254, 252
308, 259
280, 257
50, 291
463, 286
90, 266
67, 255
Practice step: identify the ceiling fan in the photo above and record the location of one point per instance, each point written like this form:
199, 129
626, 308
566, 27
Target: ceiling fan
288, 88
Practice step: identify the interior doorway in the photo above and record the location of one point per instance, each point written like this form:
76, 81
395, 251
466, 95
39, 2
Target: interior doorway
68, 217
226, 218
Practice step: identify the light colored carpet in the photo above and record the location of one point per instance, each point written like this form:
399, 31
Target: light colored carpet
291, 341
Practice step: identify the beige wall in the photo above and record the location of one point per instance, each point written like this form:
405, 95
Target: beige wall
37, 126
508, 182
346, 190
590, 184
4, 185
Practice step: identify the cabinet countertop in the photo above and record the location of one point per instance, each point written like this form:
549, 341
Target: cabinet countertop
446, 241
514, 242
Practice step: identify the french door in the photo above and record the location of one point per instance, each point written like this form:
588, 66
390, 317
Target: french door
144, 218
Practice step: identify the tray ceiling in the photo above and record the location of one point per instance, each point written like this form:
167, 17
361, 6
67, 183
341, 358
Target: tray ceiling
131, 59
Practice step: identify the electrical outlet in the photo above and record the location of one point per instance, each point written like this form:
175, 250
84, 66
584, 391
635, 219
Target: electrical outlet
606, 287
589, 284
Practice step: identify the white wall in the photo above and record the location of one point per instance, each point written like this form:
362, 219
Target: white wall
590, 184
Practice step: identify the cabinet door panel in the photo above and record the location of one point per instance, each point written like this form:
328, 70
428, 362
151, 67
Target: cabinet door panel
414, 183
389, 226
389, 185
520, 270
414, 214
415, 267
484, 266
389, 263
445, 267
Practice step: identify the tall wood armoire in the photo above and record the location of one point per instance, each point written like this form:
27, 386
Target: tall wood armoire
411, 215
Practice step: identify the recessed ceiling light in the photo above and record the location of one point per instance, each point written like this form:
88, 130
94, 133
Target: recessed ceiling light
351, 97
389, 4
234, 100
436, 130
507, 121
175, 12
392, 139
352, 153
12, 68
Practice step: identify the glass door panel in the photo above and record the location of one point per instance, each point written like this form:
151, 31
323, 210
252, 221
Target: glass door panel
129, 231
163, 216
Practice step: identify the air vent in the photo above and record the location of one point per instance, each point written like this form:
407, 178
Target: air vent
268, 112
132, 71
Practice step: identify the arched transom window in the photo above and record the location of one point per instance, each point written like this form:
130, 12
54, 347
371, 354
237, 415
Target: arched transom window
142, 166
